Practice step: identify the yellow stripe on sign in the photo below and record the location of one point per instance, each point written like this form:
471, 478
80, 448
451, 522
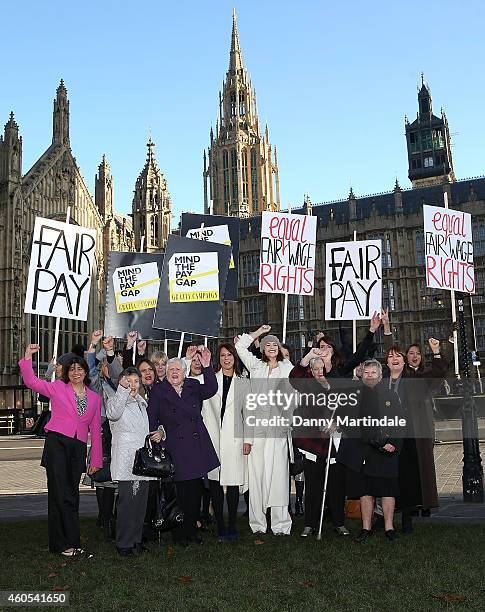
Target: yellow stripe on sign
200, 275
231, 263
145, 284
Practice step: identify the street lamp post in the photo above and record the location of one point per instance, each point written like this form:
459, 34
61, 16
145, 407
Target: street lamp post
472, 463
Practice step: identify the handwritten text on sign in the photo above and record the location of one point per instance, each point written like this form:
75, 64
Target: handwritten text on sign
287, 260
193, 277
136, 287
449, 249
353, 279
60, 270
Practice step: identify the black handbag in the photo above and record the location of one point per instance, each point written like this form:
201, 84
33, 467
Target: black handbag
153, 462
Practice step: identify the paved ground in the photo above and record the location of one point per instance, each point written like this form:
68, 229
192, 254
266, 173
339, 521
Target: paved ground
23, 484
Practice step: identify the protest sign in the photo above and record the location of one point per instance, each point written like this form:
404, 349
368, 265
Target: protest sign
136, 287
188, 302
353, 279
448, 249
287, 258
193, 277
222, 230
118, 322
60, 270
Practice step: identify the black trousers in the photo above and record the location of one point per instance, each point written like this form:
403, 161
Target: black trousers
105, 497
232, 498
189, 494
64, 459
335, 498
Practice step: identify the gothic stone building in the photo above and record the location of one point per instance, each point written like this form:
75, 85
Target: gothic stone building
46, 190
394, 217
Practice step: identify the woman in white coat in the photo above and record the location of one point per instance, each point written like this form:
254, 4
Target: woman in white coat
268, 448
223, 418
127, 414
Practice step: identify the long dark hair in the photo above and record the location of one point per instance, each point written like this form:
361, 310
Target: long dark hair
232, 350
290, 351
336, 359
418, 346
72, 361
280, 356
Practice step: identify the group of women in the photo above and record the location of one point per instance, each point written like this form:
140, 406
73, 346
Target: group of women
198, 413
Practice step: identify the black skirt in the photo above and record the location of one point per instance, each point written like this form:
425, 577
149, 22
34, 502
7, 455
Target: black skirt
360, 484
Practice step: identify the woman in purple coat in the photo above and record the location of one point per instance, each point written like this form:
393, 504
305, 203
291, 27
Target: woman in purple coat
176, 404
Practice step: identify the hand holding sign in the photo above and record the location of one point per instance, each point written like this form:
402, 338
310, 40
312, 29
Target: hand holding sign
141, 347
30, 350
130, 339
205, 357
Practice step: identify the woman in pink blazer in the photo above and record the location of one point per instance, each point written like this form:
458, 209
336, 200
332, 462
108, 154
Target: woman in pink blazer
75, 411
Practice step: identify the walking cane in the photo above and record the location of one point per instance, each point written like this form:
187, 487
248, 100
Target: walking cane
330, 440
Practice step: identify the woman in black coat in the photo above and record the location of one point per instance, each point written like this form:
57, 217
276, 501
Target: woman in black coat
417, 476
176, 404
373, 458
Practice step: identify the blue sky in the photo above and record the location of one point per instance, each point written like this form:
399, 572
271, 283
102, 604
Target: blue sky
333, 80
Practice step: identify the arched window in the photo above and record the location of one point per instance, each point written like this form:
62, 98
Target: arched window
254, 179
225, 166
242, 104
234, 176
244, 172
233, 103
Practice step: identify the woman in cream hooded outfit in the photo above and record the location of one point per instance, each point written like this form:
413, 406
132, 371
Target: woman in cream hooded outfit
268, 446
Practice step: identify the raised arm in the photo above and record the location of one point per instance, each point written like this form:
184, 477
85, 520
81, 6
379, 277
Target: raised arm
244, 342
388, 337
28, 376
361, 353
117, 404
208, 388
438, 366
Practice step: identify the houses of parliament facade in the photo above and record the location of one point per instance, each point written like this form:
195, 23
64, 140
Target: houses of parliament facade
240, 172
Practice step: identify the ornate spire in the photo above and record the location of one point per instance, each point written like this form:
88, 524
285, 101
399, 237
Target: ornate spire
61, 90
104, 168
397, 186
60, 132
351, 195
235, 57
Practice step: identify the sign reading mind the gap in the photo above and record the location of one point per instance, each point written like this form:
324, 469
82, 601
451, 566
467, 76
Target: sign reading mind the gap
287, 257
136, 287
193, 277
217, 233
448, 249
61, 262
353, 279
